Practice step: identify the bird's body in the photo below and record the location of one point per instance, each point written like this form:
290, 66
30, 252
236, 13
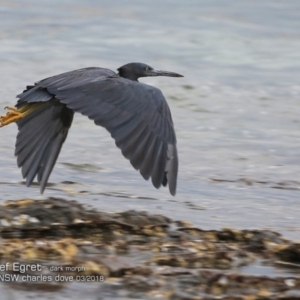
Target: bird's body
136, 115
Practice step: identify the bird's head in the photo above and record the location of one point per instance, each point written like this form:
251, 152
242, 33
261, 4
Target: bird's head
134, 71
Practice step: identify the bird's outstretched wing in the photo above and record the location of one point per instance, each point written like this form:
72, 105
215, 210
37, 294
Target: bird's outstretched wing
136, 115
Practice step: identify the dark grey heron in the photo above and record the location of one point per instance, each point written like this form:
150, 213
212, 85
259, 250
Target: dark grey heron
136, 115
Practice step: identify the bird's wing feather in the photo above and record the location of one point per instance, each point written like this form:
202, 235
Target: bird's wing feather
136, 115
40, 138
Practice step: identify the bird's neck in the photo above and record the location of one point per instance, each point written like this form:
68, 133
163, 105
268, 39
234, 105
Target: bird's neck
127, 75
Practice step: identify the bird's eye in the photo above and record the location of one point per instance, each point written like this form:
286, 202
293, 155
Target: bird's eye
147, 69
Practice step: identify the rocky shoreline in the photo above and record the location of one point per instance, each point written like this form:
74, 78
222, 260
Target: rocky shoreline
135, 254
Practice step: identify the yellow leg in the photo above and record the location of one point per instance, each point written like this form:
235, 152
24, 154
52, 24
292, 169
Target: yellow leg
15, 114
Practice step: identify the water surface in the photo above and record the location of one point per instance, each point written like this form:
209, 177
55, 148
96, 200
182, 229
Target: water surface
236, 111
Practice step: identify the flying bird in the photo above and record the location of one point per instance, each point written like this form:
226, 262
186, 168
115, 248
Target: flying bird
136, 115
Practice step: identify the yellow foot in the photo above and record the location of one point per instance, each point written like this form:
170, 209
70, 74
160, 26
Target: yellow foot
14, 114
11, 116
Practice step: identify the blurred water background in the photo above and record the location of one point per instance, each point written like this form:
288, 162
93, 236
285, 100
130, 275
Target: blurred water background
236, 111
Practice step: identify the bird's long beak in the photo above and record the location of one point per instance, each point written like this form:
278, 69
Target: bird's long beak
163, 73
